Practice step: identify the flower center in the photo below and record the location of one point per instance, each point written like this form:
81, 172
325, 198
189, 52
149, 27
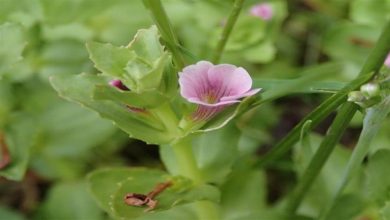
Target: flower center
209, 97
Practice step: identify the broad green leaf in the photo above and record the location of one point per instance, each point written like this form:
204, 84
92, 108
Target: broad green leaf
70, 200
371, 12
137, 124
263, 52
378, 180
385, 211
347, 207
12, 43
243, 194
147, 99
324, 188
187, 212
357, 41
109, 186
19, 134
214, 152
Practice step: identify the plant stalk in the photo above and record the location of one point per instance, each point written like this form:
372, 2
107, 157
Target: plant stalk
161, 20
188, 168
233, 16
373, 120
333, 135
337, 128
369, 70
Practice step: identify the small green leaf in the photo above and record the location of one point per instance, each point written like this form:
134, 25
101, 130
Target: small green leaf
109, 186
112, 60
146, 44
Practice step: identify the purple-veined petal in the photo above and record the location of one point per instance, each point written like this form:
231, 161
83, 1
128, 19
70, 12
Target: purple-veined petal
193, 79
229, 80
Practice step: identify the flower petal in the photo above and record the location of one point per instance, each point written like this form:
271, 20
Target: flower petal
239, 96
229, 80
193, 79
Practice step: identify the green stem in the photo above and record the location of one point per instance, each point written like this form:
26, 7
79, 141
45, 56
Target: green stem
161, 20
165, 114
227, 30
188, 168
329, 142
371, 66
186, 160
373, 120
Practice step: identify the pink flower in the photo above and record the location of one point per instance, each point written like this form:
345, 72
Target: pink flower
214, 87
387, 61
118, 84
263, 11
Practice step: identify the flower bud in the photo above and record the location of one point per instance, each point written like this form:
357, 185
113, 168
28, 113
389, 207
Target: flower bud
387, 61
263, 11
370, 90
356, 96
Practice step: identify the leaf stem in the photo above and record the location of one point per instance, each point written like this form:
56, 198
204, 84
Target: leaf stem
227, 30
370, 68
373, 120
161, 20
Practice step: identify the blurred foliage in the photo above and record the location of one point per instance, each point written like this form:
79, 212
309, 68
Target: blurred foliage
59, 142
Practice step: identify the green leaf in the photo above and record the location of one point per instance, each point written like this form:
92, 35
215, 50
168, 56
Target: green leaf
357, 41
146, 44
243, 193
378, 180
12, 44
140, 65
140, 125
325, 186
347, 207
263, 52
370, 12
147, 99
112, 60
70, 200
109, 186
19, 137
